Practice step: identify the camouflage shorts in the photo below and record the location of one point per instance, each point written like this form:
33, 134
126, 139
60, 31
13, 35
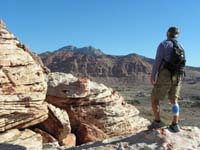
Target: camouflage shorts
167, 85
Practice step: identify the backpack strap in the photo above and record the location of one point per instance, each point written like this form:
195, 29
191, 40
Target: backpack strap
175, 42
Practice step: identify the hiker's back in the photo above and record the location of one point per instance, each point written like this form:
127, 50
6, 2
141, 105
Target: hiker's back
174, 57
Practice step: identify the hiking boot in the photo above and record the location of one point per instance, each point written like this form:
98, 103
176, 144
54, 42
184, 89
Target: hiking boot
174, 127
156, 124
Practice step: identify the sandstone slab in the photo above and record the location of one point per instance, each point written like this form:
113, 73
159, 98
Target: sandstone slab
22, 140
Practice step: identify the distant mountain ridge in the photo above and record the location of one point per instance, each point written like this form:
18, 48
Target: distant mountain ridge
88, 50
92, 62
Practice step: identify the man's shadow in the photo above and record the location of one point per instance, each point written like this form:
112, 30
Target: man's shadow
11, 147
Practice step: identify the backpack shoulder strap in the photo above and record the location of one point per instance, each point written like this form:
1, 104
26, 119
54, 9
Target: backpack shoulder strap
175, 42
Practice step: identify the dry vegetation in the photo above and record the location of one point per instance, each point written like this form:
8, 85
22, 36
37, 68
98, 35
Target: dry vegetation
189, 102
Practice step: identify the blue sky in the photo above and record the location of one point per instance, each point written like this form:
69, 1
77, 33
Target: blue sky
117, 27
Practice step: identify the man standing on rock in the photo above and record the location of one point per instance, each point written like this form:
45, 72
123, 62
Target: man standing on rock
167, 73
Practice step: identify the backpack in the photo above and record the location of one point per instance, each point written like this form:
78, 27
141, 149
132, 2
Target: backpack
177, 63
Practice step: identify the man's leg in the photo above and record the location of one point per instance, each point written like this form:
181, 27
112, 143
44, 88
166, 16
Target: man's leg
155, 107
159, 91
174, 127
175, 111
157, 123
173, 96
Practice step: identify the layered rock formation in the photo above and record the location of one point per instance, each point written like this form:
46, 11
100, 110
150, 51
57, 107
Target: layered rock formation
95, 111
22, 84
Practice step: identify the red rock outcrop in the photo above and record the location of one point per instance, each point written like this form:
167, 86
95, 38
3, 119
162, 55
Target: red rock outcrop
22, 84
95, 111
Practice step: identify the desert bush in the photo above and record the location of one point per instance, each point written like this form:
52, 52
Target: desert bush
186, 104
134, 102
167, 109
197, 104
195, 97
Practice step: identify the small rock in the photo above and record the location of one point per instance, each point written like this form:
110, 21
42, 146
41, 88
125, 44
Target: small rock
70, 140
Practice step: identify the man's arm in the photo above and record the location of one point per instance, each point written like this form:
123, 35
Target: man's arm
157, 63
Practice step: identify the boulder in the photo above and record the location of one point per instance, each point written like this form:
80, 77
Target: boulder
20, 140
89, 133
57, 124
95, 111
23, 84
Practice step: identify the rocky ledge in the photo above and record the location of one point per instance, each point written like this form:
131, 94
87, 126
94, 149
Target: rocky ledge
161, 139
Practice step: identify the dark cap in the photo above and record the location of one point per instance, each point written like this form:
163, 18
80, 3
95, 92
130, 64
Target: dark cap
173, 30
